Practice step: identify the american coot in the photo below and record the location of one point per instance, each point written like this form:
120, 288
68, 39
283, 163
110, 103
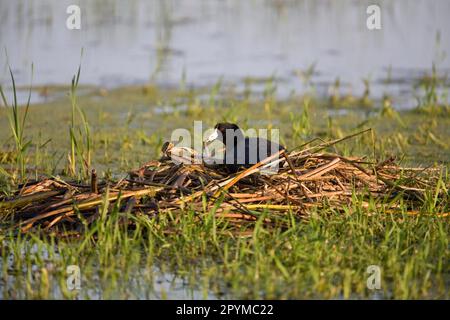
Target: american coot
241, 151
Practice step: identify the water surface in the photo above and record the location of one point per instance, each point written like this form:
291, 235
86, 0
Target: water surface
136, 42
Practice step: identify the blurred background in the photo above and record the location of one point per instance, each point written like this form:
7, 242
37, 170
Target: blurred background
138, 41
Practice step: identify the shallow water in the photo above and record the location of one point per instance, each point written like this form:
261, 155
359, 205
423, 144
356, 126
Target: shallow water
143, 283
129, 42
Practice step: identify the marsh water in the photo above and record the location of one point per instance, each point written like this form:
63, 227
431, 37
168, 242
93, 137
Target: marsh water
144, 282
135, 42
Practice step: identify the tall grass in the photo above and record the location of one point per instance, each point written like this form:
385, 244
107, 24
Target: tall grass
17, 121
80, 138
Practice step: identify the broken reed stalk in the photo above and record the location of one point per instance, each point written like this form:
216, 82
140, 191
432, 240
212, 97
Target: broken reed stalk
27, 199
249, 171
94, 184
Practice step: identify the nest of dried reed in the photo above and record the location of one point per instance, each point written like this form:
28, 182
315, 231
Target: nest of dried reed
308, 179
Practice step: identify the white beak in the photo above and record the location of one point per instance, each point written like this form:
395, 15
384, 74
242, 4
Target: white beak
213, 136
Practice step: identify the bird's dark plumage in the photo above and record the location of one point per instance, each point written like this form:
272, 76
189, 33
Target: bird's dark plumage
242, 151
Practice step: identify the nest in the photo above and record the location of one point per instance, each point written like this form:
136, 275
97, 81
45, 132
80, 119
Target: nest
307, 179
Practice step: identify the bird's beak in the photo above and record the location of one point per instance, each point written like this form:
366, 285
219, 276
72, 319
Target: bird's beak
213, 136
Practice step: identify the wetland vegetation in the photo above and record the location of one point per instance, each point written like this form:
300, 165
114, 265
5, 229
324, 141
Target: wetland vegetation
325, 256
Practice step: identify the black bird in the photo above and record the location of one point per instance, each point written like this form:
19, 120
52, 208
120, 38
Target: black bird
242, 151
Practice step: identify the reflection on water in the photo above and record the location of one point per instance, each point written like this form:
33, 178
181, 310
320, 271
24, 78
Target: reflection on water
127, 42
147, 282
